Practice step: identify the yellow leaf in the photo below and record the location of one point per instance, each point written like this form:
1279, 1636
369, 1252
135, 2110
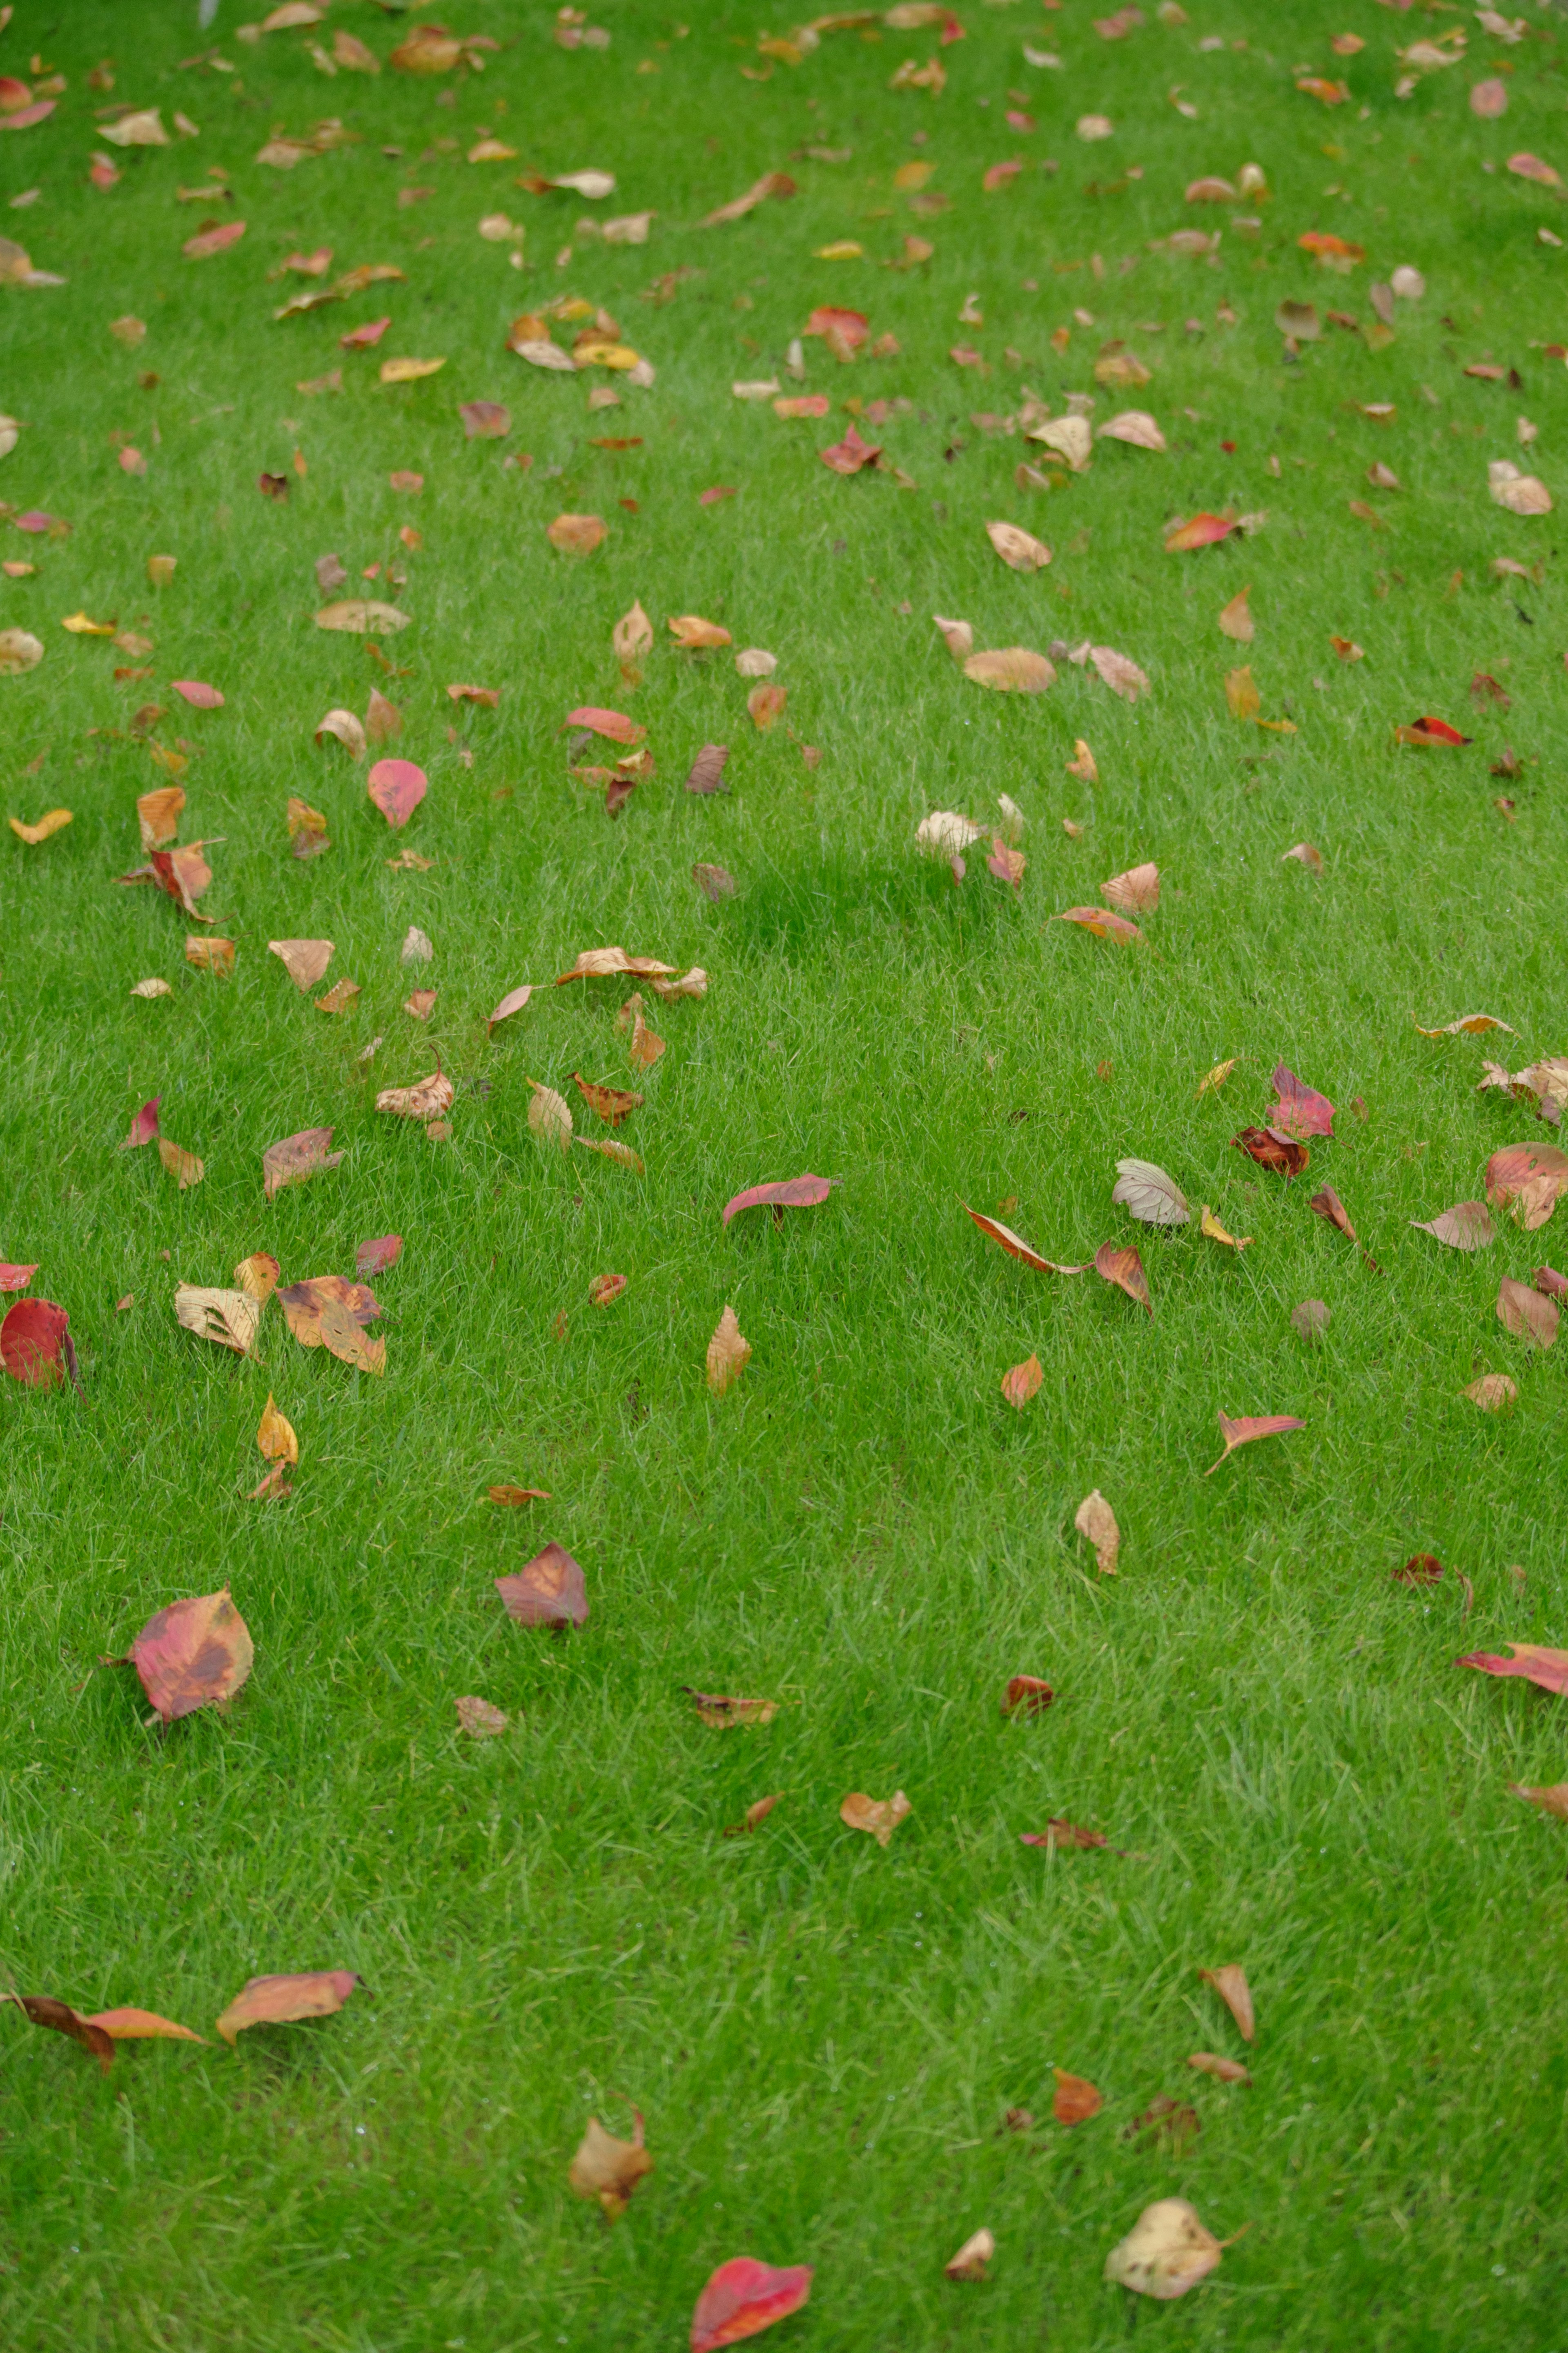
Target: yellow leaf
52, 821
1209, 1224
409, 371
1241, 694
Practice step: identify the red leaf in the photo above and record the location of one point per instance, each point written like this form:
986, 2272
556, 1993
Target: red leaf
1273, 1150
1547, 1668
1249, 1426
201, 698
743, 2297
851, 326
1201, 531
18, 1278
397, 787
612, 723
373, 1258
1017, 1247
32, 1339
1300, 1110
144, 1126
847, 456
1029, 1693
1125, 1268
998, 175
798, 1193
1427, 731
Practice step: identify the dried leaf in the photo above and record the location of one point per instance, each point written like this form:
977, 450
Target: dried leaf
1548, 1668
1243, 1430
715, 882
359, 616
1058, 1833
1022, 1383
1017, 1247
478, 1719
1013, 671
644, 1048
729, 1354
1102, 923
1210, 1226
44, 2011
1552, 1801
607, 2168
1076, 2099
1211, 1081
1311, 1320
1241, 694
1137, 889
305, 961
52, 822
707, 774
1300, 1110
1020, 550
341, 998
795, 1193
1236, 619
192, 1654
1272, 1150
512, 1002
1168, 2122
397, 787
1527, 1179
549, 1116
1201, 531
1096, 1522
1119, 673
258, 1276
229, 1317
180, 1164
576, 534
158, 815
1028, 1693
977, 2252
1494, 1392
1145, 1191
1327, 1205
1228, 2071
426, 1100
880, 1816
1166, 2251
743, 2297
1124, 1268
1468, 1225
549, 1590
293, 1158
275, 1436
1230, 1984
519, 1494
279, 2001
1527, 1312
764, 705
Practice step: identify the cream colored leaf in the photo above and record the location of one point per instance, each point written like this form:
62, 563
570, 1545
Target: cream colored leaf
1137, 890
227, 1316
972, 2258
1020, 550
1071, 438
1166, 2251
1143, 1189
549, 1116
1012, 671
360, 616
729, 1353
304, 961
1094, 1520
1135, 427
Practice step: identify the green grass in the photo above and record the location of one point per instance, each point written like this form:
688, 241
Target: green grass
824, 2037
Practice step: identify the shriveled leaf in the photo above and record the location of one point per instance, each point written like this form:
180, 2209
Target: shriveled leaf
1022, 1382
43, 2009
607, 2168
1468, 1225
1242, 1430
548, 1590
1211, 1081
192, 1654
1225, 2071
1527, 1312
425, 1099
293, 1158
1148, 1194
977, 2252
729, 1353
1328, 1206
1059, 1833
795, 1193
743, 2296
229, 1317
53, 821
723, 1711
879, 1816
1137, 889
715, 882
1124, 1268
610, 1149
282, 2002
1546, 1668
1271, 1149
1210, 1226
1230, 1983
601, 964
1017, 1247
1026, 1696
1096, 1523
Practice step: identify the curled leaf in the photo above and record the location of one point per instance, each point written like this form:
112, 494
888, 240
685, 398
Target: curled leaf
1547, 1669
880, 1816
548, 1590
1148, 1194
607, 2168
1102, 922
795, 1193
1242, 1430
281, 2001
1017, 1247
1230, 1983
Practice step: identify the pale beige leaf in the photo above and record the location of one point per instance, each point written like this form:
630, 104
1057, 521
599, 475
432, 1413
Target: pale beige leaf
957, 636
1493, 1392
1120, 672
304, 961
1143, 1188
1166, 2251
1137, 889
633, 635
1136, 427
1094, 1520
549, 1116
1071, 438
1236, 619
227, 1316
1018, 549
360, 616
478, 1718
1012, 671
729, 1353
972, 2258
1468, 1225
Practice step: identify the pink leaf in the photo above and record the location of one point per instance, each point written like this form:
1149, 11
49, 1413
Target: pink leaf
1300, 1110
144, 1126
1547, 1668
204, 698
16, 1278
615, 724
743, 2297
397, 787
373, 1258
797, 1193
1249, 1426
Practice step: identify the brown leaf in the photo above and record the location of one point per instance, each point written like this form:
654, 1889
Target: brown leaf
1124, 1268
293, 1158
1137, 889
549, 1590
1421, 1568
1230, 1983
383, 719
729, 1354
1060, 1833
512, 1002
1076, 2099
1327, 1205
1468, 1225
1102, 923
1143, 1189
519, 1494
1236, 619
1022, 1383
478, 1719
643, 1048
1095, 1521
1247, 1427
1311, 1320
1013, 671
1228, 2071
1170, 2124
1493, 1392
607, 2168
44, 2011
279, 2001
184, 1165
1527, 1179
708, 769
1552, 1801
576, 534
723, 1711
1028, 1693
1241, 694
1166, 2251
192, 1654
1526, 1311
425, 1099
1271, 1150
969, 2263
1017, 1247
1020, 550
880, 1816
715, 882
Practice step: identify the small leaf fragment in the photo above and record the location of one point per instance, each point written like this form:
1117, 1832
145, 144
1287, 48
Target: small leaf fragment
1242, 1431
1096, 1522
879, 1816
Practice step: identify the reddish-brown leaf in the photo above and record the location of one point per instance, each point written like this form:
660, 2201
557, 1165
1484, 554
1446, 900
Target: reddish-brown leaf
1427, 733
279, 2001
1273, 1149
1523, 1310
743, 2297
1027, 1694
1076, 2099
519, 1494
612, 1103
551, 1590
1421, 1568
1300, 1110
1058, 1832
848, 456
1327, 1205
1125, 1268
44, 2011
795, 1193
723, 1710
606, 1287
143, 1128
1017, 1247
1249, 1426
1549, 1669
295, 1158
1022, 1382
192, 1654
1527, 1179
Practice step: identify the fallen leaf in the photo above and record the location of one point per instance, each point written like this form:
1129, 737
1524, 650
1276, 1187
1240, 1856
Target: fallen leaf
1548, 1668
1236, 619
794, 1193
1552, 1801
44, 2011
1421, 1568
1015, 1246
1243, 1430
341, 998
1228, 2071
1279, 1152
397, 787
1527, 1312
52, 822
977, 2252
1124, 1268
1493, 1392
1095, 1521
549, 1590
707, 774
1102, 922
1076, 2099
1300, 1110
208, 241
729, 1354
1138, 888
274, 1435
715, 882
1310, 1321
1527, 1179
1148, 1194
1230, 1983
1137, 428
549, 1116
140, 2026
293, 1158
576, 534
1020, 550
1201, 531
1427, 733
1119, 673
613, 724
1022, 1383
16, 1278
1210, 1226
880, 1816
1013, 671
360, 614
1241, 694
229, 1317
35, 1344
19, 651
281, 2001
512, 1002
520, 1494
305, 961
1468, 1225
192, 1654
180, 1164
258, 1276
1059, 1833
607, 2168
764, 705
1028, 1693
743, 2297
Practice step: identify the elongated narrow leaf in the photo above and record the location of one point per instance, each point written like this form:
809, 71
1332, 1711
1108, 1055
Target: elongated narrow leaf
795, 1193
1537, 1664
1249, 1426
1017, 1247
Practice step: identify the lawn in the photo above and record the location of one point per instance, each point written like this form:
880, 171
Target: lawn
825, 2037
